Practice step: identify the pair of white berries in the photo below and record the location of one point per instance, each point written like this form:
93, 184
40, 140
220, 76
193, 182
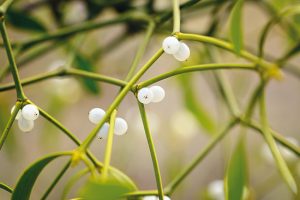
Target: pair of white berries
153, 94
178, 49
26, 117
97, 114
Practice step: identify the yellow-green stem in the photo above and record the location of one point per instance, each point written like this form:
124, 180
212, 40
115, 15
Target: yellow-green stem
109, 143
152, 151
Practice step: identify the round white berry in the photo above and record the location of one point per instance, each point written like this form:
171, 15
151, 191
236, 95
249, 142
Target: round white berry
30, 112
95, 115
183, 53
102, 134
158, 93
171, 45
18, 114
145, 95
25, 125
121, 126
155, 198
216, 189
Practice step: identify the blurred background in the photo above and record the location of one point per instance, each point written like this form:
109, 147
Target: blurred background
182, 124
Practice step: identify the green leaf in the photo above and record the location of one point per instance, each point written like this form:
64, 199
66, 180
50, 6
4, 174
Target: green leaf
108, 190
25, 183
122, 178
5, 187
23, 20
82, 63
236, 32
194, 105
236, 176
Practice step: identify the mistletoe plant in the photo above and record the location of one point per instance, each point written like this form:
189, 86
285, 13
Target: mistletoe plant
105, 181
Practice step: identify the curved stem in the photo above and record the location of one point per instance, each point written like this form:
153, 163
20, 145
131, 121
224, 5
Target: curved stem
72, 30
95, 76
30, 80
278, 137
12, 62
10, 123
182, 175
4, 6
55, 181
281, 164
109, 143
68, 72
202, 67
152, 151
141, 193
140, 51
6, 187
225, 45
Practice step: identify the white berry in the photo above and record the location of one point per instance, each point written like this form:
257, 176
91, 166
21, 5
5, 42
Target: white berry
216, 189
183, 53
103, 132
155, 198
145, 95
158, 93
171, 45
18, 114
30, 112
121, 126
25, 125
95, 115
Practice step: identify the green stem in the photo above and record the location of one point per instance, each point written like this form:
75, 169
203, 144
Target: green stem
72, 181
281, 164
141, 193
152, 151
182, 175
10, 123
4, 6
6, 187
13, 66
31, 80
95, 76
109, 143
68, 72
120, 97
224, 45
31, 55
84, 27
140, 51
227, 94
55, 181
176, 16
202, 67
277, 136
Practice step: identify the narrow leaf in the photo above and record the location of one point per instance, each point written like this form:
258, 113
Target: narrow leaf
26, 182
22, 20
99, 190
236, 176
82, 63
236, 32
195, 106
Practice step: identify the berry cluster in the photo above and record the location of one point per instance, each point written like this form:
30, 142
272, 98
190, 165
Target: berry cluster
178, 49
26, 117
153, 94
97, 114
